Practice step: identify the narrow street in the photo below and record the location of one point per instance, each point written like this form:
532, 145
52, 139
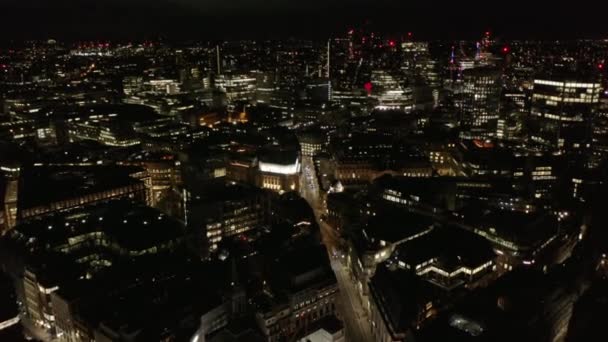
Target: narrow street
356, 322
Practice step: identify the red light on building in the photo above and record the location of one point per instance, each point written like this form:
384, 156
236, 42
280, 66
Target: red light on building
505, 49
391, 43
410, 34
368, 87
487, 33
600, 66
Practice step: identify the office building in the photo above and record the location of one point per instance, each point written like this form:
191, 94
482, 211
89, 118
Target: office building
478, 102
563, 107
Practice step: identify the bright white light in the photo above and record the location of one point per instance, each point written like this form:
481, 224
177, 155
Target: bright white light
290, 169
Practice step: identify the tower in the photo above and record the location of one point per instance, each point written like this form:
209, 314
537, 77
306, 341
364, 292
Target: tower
478, 100
563, 106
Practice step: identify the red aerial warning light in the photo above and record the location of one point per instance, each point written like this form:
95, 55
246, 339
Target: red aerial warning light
487, 33
600, 66
505, 49
368, 87
391, 43
410, 34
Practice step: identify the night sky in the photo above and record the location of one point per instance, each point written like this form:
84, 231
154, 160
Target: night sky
218, 19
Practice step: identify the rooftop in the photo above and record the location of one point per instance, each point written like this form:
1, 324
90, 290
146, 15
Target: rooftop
127, 113
393, 225
48, 184
134, 227
527, 230
452, 248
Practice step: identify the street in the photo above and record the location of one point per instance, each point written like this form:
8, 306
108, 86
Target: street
355, 320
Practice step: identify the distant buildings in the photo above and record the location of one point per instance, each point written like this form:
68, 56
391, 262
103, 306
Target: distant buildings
247, 190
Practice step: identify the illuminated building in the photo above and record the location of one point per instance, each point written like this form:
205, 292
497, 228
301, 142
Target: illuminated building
312, 143
165, 180
440, 194
279, 170
23, 130
361, 170
529, 238
478, 100
169, 87
113, 125
562, 109
510, 128
227, 210
390, 93
434, 258
412, 51
538, 173
131, 85
8, 204
111, 135
238, 87
424, 70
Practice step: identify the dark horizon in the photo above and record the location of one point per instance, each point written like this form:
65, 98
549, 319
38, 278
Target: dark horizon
133, 19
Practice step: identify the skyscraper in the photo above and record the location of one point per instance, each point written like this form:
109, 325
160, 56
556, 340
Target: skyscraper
562, 110
478, 99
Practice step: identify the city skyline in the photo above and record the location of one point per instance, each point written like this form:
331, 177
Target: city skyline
270, 171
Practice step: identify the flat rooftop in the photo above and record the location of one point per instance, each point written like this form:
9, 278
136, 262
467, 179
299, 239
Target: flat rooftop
48, 184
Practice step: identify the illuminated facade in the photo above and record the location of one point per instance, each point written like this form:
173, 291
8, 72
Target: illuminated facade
478, 101
390, 93
277, 171
562, 109
105, 133
8, 205
311, 143
238, 87
360, 171
234, 210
